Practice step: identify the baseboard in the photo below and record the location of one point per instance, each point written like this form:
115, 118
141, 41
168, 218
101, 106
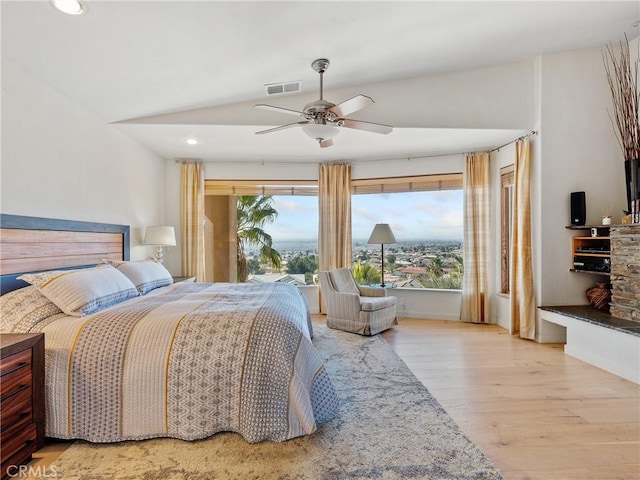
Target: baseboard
429, 316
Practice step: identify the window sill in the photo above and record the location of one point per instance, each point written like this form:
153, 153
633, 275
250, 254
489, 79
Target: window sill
503, 295
412, 289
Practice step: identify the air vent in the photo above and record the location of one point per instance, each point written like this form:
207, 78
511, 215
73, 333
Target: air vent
282, 88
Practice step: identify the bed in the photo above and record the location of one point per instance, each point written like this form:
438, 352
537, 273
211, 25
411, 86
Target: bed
131, 355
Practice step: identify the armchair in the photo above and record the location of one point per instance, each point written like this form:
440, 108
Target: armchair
355, 308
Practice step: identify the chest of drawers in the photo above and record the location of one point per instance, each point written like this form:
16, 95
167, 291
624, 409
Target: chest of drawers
22, 408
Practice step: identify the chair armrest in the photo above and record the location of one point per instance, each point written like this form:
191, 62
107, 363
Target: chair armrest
371, 291
345, 305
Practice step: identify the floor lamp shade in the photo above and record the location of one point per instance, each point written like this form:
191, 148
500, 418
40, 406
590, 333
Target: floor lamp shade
382, 234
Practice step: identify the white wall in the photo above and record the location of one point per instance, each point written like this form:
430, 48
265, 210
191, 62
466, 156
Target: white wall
578, 152
575, 150
59, 160
427, 303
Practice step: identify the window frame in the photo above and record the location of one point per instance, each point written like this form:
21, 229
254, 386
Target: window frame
362, 186
409, 184
507, 180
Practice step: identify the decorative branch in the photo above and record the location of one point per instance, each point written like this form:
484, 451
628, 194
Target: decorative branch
622, 76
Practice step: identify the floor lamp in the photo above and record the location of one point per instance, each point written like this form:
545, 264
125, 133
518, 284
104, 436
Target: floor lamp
382, 234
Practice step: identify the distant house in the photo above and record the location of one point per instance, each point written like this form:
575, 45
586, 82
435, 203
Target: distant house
412, 271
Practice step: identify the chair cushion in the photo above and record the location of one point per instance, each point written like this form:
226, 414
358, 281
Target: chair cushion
371, 304
343, 281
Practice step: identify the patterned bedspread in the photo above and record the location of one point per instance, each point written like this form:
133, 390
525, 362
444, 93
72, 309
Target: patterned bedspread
187, 362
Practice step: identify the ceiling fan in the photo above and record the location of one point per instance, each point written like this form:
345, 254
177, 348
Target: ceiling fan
322, 119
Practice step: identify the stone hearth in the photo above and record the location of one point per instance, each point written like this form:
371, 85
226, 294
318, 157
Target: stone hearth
625, 271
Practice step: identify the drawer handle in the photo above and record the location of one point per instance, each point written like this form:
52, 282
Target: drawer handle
22, 388
17, 367
21, 417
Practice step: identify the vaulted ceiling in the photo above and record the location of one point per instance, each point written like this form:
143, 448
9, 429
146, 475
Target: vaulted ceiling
206, 62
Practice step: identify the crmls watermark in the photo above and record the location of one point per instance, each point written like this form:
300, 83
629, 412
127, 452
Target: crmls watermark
24, 471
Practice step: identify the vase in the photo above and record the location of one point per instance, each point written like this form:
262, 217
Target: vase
631, 173
599, 296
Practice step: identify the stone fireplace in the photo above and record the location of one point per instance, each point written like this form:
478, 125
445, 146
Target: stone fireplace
625, 271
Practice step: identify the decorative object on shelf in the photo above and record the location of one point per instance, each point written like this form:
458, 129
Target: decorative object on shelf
382, 234
622, 75
606, 216
160, 236
599, 296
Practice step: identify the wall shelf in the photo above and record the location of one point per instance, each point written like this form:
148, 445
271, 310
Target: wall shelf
591, 254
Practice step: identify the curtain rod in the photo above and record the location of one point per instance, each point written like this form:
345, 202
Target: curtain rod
344, 162
409, 158
526, 135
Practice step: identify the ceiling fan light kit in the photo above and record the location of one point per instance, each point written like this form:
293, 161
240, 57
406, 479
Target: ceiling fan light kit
323, 119
320, 131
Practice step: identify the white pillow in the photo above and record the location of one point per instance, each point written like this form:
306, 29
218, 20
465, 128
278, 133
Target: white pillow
146, 275
24, 308
82, 292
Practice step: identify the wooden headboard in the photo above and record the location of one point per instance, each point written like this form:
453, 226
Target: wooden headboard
33, 244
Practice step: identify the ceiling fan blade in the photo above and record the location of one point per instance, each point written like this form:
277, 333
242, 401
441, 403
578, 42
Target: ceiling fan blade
368, 126
326, 143
352, 105
281, 127
264, 106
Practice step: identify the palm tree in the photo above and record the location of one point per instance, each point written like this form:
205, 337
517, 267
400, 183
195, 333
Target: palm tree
366, 274
254, 212
435, 267
435, 277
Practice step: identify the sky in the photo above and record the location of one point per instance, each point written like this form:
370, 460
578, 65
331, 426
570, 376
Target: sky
433, 215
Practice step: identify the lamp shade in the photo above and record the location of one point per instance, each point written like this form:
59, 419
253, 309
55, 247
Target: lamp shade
382, 234
162, 236
320, 131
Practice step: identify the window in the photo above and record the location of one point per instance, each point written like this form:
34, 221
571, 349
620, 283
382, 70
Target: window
506, 212
290, 236
426, 216
424, 211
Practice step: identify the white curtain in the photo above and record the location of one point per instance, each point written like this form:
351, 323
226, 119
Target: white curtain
192, 220
477, 216
523, 303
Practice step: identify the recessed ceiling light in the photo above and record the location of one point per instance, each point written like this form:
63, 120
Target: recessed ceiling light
192, 141
71, 7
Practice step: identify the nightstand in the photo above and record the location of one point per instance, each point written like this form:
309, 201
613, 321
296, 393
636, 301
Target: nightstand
22, 411
184, 279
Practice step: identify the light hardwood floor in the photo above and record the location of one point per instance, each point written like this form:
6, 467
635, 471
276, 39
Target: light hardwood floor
537, 413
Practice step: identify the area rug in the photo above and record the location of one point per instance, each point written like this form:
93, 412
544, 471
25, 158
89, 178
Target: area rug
389, 427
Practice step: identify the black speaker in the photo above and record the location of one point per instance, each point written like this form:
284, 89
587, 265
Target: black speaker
578, 208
